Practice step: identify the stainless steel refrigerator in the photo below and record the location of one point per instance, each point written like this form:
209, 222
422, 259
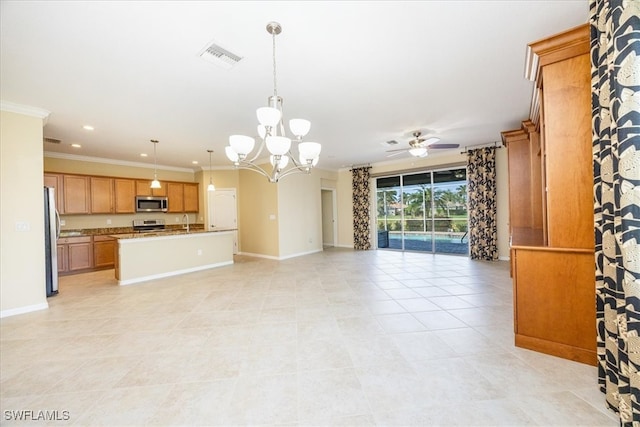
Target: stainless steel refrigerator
51, 234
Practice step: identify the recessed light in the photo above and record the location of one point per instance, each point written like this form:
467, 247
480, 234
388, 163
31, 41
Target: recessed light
87, 127
195, 162
143, 154
76, 145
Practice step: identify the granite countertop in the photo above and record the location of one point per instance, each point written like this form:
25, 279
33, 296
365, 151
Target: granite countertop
138, 235
114, 231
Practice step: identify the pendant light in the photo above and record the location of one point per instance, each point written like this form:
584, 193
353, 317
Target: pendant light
155, 183
210, 187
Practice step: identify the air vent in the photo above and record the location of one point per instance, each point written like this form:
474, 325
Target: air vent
392, 142
52, 140
220, 56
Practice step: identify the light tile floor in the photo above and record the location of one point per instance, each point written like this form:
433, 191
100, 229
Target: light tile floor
335, 338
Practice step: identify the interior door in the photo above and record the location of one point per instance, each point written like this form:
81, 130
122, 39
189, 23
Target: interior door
223, 210
328, 218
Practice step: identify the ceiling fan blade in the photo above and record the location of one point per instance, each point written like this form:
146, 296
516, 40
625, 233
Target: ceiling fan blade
444, 146
426, 142
397, 149
396, 153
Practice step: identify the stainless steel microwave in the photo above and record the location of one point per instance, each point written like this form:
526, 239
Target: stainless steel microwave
151, 204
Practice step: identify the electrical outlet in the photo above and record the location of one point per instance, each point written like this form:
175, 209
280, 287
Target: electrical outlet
199, 251
177, 219
63, 222
108, 222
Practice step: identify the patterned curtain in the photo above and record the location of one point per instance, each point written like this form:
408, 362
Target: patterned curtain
361, 231
481, 184
615, 76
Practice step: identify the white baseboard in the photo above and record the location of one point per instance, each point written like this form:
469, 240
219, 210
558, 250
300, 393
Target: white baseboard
172, 273
280, 258
275, 258
315, 251
23, 310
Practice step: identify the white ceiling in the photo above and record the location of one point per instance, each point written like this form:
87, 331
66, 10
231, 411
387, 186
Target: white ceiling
363, 72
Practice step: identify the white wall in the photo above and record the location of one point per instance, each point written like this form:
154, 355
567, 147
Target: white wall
299, 215
22, 267
502, 199
345, 209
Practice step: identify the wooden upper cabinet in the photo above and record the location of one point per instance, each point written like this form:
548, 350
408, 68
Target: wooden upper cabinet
550, 162
191, 197
55, 181
101, 195
520, 186
143, 188
124, 195
82, 194
175, 193
77, 195
183, 197
567, 134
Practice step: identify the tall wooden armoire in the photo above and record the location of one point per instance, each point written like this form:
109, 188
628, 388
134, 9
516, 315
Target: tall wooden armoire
551, 203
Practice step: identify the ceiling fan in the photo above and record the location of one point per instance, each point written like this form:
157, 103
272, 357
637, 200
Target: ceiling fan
419, 145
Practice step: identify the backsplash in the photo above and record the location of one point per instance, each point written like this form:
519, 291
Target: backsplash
80, 222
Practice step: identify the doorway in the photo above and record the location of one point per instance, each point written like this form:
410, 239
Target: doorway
329, 215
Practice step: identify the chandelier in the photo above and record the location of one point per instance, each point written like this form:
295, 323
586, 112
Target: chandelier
273, 137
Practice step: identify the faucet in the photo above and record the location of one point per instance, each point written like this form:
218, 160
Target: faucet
185, 217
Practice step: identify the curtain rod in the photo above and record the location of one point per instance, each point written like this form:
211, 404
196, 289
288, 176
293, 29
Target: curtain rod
364, 165
487, 144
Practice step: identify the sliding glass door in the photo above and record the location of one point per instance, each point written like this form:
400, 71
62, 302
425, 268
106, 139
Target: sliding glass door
424, 212
450, 211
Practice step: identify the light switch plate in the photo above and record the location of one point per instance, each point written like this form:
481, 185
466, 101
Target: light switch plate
22, 226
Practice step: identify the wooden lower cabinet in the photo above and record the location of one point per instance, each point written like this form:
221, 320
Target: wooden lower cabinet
75, 254
103, 251
554, 301
85, 253
63, 258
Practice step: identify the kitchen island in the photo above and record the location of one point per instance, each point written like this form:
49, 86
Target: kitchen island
146, 256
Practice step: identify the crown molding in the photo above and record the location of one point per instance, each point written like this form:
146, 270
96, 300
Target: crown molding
218, 168
27, 110
55, 155
561, 46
